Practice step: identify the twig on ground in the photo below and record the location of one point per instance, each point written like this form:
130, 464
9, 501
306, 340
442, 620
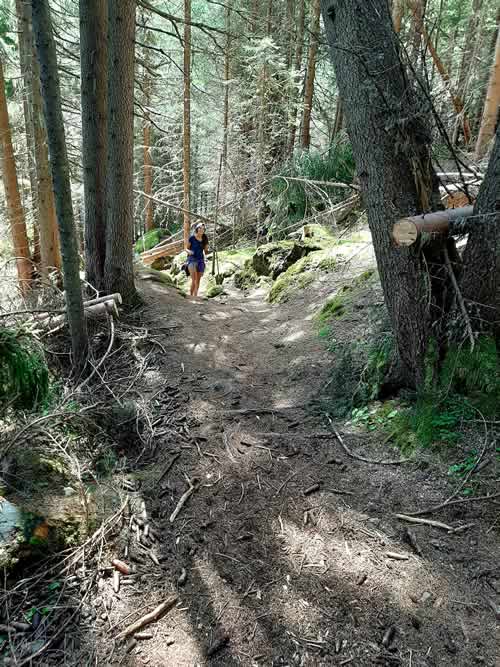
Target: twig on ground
169, 465
193, 485
362, 458
426, 522
154, 615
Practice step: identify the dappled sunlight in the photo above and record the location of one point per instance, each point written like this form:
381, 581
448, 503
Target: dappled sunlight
293, 337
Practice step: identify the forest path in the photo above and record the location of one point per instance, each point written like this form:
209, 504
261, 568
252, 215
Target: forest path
278, 571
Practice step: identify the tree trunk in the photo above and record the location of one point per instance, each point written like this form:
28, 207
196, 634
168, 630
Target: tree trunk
298, 66
310, 76
46, 49
398, 9
147, 161
94, 92
339, 118
458, 103
480, 284
118, 268
25, 51
186, 143
15, 210
491, 105
50, 253
227, 78
395, 181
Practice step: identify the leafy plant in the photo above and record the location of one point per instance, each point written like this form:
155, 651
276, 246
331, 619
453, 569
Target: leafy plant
24, 376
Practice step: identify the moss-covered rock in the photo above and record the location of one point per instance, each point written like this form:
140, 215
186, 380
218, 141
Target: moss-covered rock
213, 287
246, 278
274, 259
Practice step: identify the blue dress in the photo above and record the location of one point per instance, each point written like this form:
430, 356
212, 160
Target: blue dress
198, 257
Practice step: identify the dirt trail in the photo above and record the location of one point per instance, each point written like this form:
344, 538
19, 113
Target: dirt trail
277, 571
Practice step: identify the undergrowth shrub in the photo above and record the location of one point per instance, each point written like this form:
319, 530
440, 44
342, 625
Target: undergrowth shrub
291, 200
24, 376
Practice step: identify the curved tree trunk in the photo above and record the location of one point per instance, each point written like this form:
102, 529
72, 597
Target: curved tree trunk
118, 267
46, 49
310, 76
376, 93
15, 210
94, 92
491, 105
186, 142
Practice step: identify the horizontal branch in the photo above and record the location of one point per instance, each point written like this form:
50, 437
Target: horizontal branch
408, 231
174, 207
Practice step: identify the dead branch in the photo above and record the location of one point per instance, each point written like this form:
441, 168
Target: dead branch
154, 615
362, 458
460, 298
426, 522
193, 485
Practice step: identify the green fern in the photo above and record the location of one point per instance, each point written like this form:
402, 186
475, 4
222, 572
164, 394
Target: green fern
24, 376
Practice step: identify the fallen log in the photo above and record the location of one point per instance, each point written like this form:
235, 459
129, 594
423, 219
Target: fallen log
407, 231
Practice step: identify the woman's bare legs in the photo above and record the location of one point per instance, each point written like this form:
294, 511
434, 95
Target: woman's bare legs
193, 290
197, 284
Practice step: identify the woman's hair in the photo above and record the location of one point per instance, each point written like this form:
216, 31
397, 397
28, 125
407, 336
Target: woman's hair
204, 240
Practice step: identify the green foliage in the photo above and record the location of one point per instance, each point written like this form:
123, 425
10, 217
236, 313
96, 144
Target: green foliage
290, 200
24, 376
150, 239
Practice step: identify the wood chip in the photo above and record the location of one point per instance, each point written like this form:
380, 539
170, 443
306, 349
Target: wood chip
312, 489
116, 581
388, 636
395, 556
121, 566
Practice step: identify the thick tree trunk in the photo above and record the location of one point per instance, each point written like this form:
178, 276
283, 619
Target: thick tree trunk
15, 210
480, 283
339, 118
393, 164
227, 78
94, 93
186, 143
310, 76
491, 105
46, 49
50, 253
118, 268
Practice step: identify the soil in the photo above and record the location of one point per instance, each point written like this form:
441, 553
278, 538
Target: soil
288, 551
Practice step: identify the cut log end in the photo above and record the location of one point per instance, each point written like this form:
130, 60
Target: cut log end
405, 233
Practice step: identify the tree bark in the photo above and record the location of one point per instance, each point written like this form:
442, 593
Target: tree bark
94, 93
50, 252
398, 9
480, 281
339, 118
46, 50
491, 105
310, 76
393, 164
299, 36
15, 210
25, 44
147, 160
227, 78
118, 268
186, 143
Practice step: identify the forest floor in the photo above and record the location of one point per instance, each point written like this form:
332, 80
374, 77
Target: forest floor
288, 551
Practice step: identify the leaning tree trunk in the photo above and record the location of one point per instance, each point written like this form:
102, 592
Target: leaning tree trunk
186, 143
491, 105
118, 267
94, 91
46, 49
15, 210
393, 164
310, 76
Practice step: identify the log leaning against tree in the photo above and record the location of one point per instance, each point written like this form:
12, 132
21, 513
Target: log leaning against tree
453, 221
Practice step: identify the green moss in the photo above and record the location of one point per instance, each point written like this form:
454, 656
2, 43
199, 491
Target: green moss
246, 278
289, 283
212, 288
24, 376
335, 308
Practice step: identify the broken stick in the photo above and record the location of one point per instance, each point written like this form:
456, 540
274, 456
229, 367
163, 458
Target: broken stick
154, 615
193, 485
426, 522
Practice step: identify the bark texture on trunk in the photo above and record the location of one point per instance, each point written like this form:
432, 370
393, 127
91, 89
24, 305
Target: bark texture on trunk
50, 252
393, 162
118, 268
398, 8
480, 284
491, 105
310, 76
15, 210
299, 50
94, 93
46, 50
25, 44
186, 142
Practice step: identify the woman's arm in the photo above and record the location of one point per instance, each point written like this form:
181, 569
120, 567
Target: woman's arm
187, 248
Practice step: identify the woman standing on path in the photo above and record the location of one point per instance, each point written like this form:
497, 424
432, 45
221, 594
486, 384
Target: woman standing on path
196, 248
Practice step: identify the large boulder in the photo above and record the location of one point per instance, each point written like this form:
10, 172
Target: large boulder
274, 259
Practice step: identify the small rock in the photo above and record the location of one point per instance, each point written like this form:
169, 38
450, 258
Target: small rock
425, 597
